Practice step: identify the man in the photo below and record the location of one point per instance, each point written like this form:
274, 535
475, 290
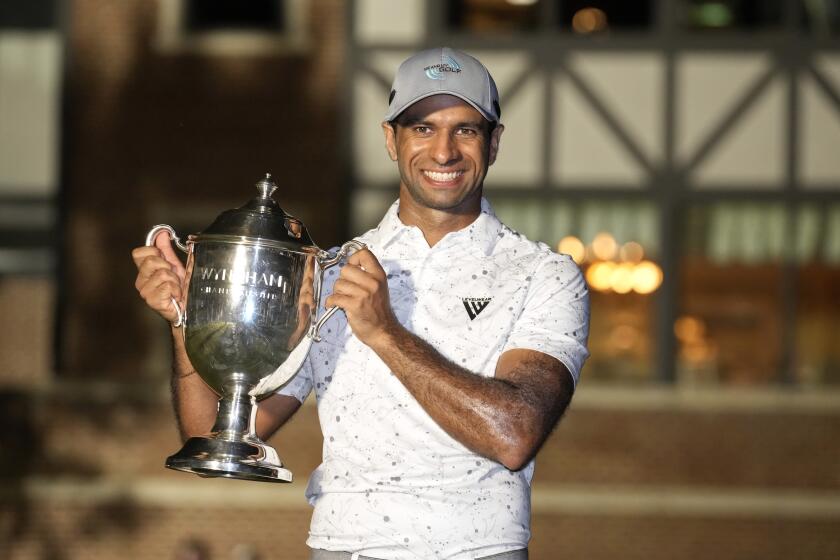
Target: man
455, 356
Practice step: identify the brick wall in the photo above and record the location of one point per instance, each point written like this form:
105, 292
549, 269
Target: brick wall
613, 481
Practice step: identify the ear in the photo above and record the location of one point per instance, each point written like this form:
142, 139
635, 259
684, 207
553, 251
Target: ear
390, 139
495, 137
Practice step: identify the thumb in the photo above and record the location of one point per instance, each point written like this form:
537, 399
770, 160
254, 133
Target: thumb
164, 243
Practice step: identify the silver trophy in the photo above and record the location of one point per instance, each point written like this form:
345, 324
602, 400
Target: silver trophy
253, 290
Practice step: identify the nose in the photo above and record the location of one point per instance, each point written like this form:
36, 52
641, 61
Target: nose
444, 149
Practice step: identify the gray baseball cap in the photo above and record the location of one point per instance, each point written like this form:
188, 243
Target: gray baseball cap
444, 71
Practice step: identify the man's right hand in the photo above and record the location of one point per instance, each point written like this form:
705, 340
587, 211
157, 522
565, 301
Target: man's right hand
160, 276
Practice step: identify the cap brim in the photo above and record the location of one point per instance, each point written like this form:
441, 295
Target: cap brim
392, 115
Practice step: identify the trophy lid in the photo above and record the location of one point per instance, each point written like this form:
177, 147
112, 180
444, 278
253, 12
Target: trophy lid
261, 218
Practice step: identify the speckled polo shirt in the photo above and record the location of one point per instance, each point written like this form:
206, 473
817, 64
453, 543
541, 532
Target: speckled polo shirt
392, 483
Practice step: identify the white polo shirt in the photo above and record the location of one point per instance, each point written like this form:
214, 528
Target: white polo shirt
393, 484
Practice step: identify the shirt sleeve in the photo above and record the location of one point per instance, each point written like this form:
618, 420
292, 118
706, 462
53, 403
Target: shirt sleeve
555, 316
300, 385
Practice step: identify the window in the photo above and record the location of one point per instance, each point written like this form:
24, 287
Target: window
744, 15
821, 17
729, 326
616, 245
760, 294
214, 15
817, 346
232, 28
493, 15
578, 16
598, 16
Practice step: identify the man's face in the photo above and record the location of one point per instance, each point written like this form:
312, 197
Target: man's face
443, 150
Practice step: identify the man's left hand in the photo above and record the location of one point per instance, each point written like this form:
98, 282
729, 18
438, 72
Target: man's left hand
362, 292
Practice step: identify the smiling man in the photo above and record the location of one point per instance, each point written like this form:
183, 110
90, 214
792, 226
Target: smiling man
443, 147
466, 342
458, 350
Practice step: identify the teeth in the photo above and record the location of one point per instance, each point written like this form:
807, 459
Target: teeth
442, 177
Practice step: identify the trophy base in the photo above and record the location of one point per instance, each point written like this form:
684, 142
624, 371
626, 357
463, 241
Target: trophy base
244, 460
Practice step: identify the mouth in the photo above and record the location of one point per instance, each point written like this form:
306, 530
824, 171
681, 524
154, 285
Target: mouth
442, 177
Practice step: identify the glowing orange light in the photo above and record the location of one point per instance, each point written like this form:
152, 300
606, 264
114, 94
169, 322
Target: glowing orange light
647, 277
599, 276
689, 329
589, 254
621, 279
697, 353
631, 252
573, 247
604, 246
624, 337
589, 20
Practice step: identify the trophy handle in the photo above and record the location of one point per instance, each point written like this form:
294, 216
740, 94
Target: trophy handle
173, 237
345, 251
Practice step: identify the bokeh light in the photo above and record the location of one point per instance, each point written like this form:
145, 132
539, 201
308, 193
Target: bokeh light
631, 252
621, 279
624, 337
572, 246
689, 329
599, 276
647, 277
589, 20
604, 246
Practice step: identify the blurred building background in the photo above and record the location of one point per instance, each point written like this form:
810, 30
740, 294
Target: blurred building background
685, 152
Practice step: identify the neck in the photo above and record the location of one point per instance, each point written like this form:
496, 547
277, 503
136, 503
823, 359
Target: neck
434, 223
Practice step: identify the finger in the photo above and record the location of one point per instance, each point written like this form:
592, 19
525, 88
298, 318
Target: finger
160, 301
164, 281
306, 291
367, 261
157, 278
164, 243
309, 270
159, 295
147, 259
357, 275
351, 289
140, 254
150, 266
339, 300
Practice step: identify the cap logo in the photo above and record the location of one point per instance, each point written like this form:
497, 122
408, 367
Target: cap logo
438, 71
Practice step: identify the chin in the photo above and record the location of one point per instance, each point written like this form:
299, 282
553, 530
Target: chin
448, 203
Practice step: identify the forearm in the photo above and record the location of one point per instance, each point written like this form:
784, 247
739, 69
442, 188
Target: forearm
505, 418
194, 402
496, 418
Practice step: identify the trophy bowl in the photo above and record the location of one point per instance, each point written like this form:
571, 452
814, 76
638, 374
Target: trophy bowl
253, 286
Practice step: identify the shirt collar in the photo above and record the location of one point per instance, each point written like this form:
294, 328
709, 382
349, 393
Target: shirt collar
483, 231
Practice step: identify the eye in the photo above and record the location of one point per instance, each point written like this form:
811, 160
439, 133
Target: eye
466, 131
422, 129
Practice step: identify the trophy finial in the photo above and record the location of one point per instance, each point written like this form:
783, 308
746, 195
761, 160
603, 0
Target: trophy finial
266, 186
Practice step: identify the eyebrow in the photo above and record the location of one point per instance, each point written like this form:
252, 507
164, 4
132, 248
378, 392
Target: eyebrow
408, 121
411, 121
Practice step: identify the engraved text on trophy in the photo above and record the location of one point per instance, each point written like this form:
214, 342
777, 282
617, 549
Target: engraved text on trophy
242, 311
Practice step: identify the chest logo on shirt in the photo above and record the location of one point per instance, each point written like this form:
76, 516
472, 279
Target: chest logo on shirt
475, 306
